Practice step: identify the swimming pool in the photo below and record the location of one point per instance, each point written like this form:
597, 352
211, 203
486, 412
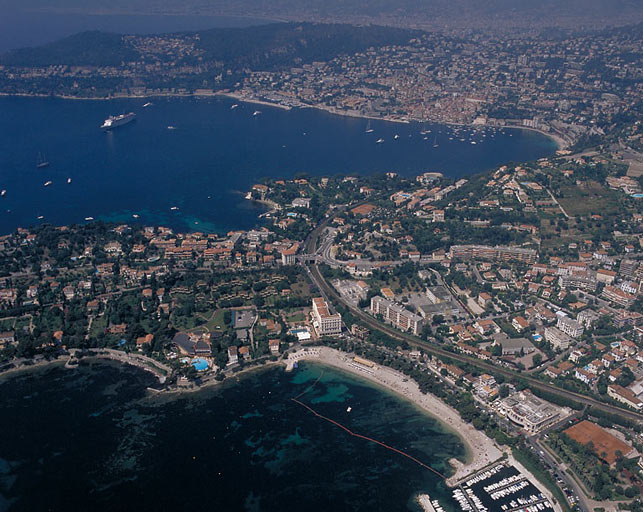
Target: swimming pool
200, 364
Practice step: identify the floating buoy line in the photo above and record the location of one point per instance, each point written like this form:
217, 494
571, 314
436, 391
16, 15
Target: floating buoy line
360, 436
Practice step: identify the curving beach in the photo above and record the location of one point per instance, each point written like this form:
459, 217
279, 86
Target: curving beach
480, 449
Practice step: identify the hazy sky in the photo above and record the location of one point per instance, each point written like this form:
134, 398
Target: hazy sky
19, 29
28, 22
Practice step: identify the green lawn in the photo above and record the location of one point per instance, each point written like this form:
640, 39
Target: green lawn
98, 325
297, 317
186, 322
587, 198
216, 323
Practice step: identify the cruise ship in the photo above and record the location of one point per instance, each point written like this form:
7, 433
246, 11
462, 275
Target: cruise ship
116, 121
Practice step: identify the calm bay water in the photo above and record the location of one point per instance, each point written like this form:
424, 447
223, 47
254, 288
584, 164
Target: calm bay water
90, 439
211, 158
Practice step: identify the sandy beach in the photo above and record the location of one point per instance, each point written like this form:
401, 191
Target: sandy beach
480, 449
562, 143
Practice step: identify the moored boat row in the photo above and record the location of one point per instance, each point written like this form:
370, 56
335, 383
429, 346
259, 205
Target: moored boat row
507, 491
503, 483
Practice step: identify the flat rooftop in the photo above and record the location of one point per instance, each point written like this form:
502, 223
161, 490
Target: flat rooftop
243, 319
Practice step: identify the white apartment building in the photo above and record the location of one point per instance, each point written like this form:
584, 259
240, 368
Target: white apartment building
325, 323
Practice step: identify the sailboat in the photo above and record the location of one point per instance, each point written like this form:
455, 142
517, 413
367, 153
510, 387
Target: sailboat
41, 162
368, 127
435, 142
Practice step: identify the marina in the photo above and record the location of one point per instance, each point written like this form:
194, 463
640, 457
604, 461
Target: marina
500, 488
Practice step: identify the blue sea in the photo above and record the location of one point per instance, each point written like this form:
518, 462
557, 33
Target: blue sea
94, 439
203, 167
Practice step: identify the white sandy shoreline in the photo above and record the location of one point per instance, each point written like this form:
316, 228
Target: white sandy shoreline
480, 450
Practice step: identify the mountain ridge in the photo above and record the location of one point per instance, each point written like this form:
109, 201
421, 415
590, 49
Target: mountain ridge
264, 47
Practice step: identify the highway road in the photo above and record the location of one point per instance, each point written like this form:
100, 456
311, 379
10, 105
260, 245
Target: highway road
550, 462
328, 290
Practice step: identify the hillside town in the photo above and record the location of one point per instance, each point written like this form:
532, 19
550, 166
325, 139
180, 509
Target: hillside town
578, 86
557, 85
